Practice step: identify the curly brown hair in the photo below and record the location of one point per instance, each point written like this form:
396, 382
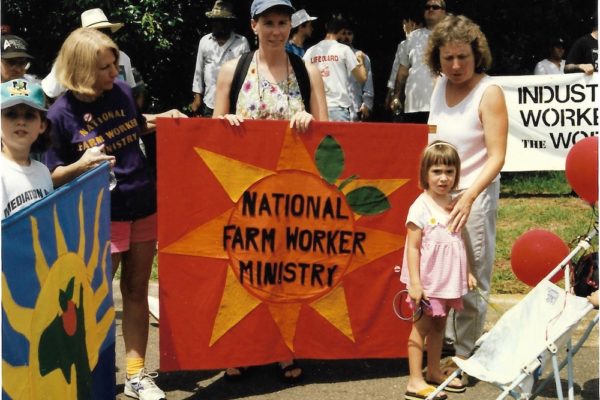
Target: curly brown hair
458, 28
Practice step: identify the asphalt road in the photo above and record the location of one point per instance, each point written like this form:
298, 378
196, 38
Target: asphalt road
372, 379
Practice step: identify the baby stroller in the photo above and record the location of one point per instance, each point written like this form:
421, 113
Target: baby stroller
512, 357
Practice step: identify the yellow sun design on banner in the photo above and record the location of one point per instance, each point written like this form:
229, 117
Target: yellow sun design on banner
34, 381
290, 239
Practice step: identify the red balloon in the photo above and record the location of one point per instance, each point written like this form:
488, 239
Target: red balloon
581, 169
535, 253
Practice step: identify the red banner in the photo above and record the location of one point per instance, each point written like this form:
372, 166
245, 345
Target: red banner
276, 245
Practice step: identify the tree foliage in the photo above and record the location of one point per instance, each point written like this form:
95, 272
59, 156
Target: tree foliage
161, 36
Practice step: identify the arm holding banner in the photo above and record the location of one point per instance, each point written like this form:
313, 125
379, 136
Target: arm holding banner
151, 119
90, 159
587, 69
224, 81
494, 117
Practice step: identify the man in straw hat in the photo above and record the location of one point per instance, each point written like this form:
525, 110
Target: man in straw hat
219, 46
94, 18
302, 29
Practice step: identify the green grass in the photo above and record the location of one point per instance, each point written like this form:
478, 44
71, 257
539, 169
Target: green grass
530, 200
567, 216
534, 183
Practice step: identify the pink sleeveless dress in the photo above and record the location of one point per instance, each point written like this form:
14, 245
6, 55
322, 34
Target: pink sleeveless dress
443, 261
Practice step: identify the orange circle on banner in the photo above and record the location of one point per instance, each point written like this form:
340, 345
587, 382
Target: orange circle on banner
291, 237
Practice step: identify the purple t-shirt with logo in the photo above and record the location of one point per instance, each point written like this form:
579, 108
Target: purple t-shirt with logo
113, 120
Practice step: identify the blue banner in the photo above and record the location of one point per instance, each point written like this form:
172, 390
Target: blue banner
58, 329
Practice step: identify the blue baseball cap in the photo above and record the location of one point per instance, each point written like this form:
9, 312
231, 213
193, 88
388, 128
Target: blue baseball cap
260, 6
22, 91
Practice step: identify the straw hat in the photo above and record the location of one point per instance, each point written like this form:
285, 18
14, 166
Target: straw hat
221, 9
95, 18
300, 17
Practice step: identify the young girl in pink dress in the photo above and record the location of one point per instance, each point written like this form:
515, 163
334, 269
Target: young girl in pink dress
435, 268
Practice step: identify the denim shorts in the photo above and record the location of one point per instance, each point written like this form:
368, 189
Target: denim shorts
339, 114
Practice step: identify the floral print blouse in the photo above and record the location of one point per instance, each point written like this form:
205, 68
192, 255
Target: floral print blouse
261, 99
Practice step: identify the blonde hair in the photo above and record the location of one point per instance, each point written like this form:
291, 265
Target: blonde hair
439, 152
77, 61
458, 29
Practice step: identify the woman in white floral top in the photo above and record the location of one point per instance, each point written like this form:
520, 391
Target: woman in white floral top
270, 89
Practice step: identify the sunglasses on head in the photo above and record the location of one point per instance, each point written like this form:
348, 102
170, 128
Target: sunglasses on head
432, 7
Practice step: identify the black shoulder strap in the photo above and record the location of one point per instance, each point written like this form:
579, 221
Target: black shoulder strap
238, 79
302, 77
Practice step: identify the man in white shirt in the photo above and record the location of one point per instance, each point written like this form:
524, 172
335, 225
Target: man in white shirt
554, 64
337, 62
408, 26
414, 81
219, 46
362, 93
93, 18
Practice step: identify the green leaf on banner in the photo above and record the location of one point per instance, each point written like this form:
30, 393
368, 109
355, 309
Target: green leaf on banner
329, 158
368, 200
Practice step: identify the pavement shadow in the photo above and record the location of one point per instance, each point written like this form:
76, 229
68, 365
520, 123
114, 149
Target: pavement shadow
265, 379
591, 390
549, 391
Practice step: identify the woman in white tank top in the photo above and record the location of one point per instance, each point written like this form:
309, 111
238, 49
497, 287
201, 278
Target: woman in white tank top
469, 111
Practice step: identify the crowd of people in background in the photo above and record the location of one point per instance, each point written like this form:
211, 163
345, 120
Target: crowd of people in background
438, 77
408, 87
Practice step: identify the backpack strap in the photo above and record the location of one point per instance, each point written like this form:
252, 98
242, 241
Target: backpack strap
238, 79
302, 77
241, 70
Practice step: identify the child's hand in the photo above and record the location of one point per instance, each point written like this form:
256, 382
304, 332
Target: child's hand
416, 293
471, 281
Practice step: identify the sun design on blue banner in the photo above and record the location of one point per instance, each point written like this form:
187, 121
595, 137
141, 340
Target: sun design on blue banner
56, 299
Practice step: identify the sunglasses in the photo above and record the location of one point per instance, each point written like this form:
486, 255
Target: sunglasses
433, 7
17, 62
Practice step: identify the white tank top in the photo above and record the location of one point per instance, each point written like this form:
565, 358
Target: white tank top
460, 125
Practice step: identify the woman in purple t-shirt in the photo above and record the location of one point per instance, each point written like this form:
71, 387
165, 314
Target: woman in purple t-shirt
97, 120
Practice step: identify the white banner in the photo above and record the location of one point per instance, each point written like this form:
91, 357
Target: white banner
548, 114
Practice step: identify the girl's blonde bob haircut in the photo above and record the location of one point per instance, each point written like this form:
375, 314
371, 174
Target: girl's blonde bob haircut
462, 30
77, 61
439, 153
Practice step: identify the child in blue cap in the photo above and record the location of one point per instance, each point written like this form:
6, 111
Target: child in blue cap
24, 129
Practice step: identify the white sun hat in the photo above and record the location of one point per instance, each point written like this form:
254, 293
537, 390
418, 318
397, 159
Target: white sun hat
300, 17
95, 18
